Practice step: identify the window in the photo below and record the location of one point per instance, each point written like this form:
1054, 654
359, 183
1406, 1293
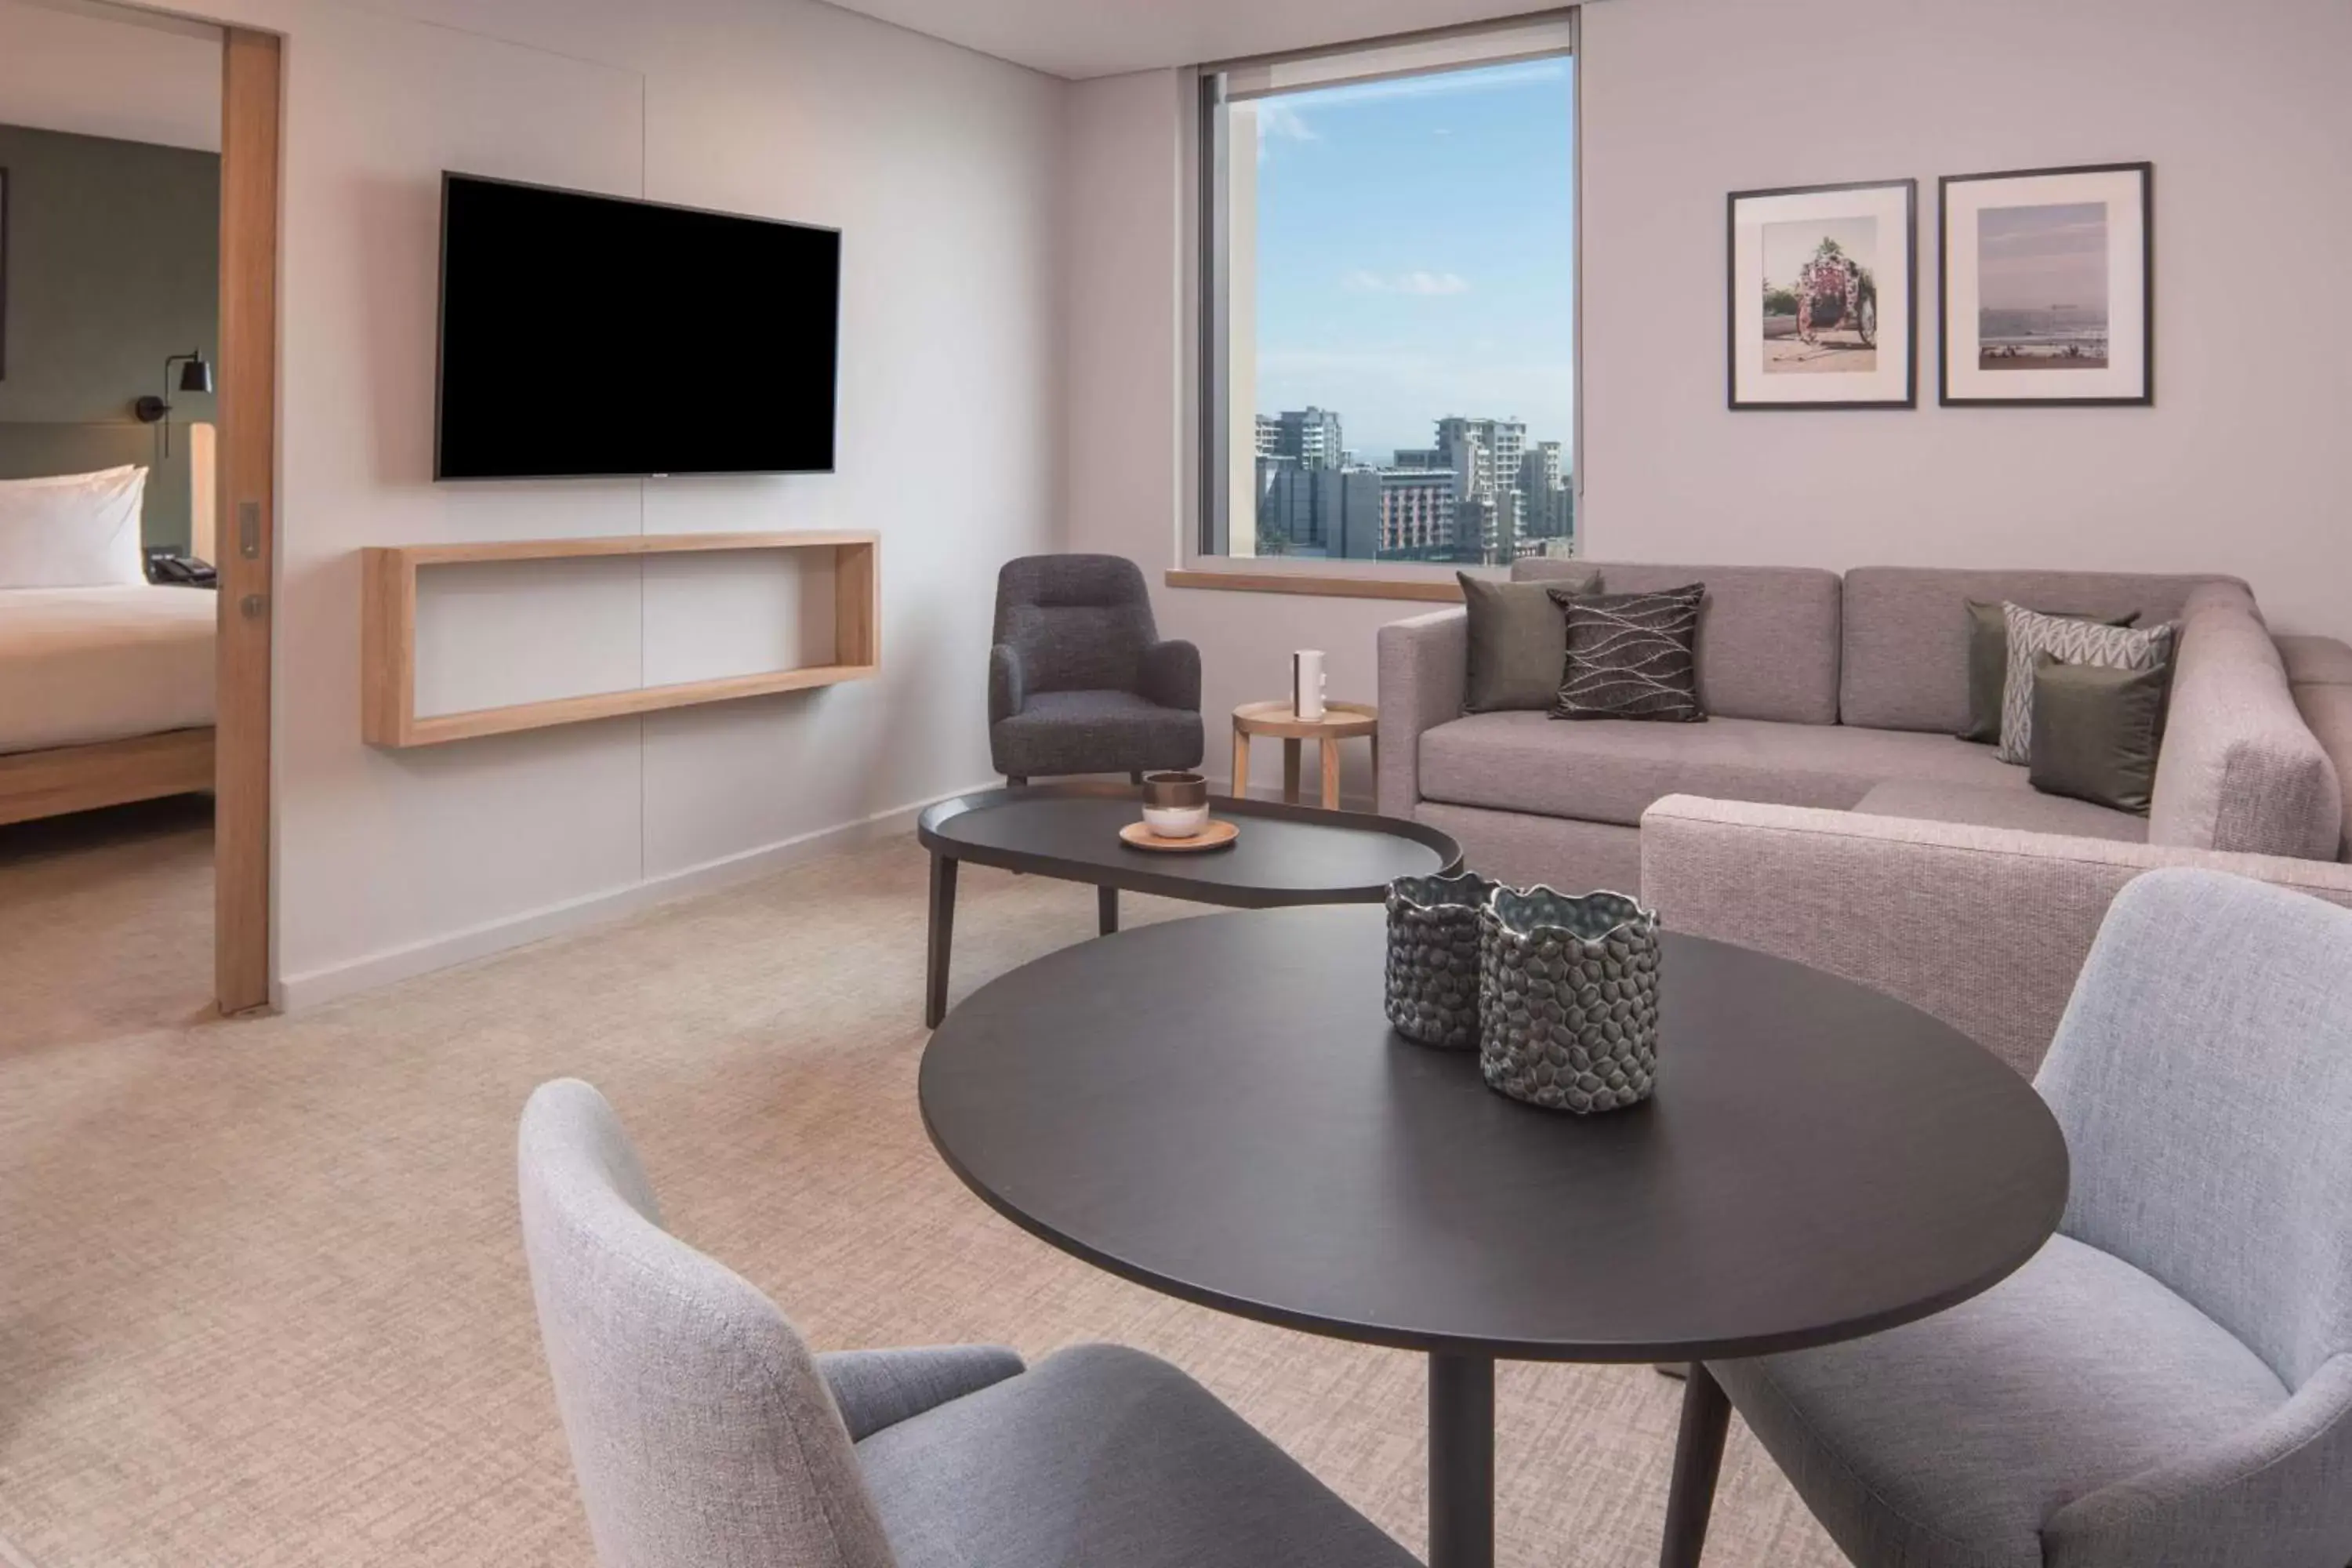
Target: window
1389, 300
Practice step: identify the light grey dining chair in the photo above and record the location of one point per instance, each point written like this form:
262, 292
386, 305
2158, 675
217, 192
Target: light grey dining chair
705, 1435
2169, 1383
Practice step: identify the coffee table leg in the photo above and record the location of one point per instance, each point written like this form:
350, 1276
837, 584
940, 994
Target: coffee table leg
1461, 1461
1699, 1458
935, 973
1106, 910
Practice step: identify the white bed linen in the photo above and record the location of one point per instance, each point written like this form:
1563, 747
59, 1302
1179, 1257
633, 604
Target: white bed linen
81, 665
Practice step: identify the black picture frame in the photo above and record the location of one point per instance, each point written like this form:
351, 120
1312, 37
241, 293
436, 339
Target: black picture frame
2145, 397
1910, 398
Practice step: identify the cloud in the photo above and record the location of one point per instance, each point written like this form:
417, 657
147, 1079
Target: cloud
1277, 118
1425, 284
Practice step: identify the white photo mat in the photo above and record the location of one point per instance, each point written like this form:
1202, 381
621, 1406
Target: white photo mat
2124, 192
1890, 382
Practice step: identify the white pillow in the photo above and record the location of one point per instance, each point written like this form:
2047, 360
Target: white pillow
72, 531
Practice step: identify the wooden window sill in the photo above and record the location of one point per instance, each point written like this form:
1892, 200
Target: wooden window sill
1430, 590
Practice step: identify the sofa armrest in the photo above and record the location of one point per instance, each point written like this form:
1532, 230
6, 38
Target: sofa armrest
1985, 927
874, 1389
1171, 675
1007, 687
1423, 663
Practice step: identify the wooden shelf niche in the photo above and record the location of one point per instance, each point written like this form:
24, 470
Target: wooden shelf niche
388, 715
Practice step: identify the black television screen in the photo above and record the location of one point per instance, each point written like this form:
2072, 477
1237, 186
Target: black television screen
586, 336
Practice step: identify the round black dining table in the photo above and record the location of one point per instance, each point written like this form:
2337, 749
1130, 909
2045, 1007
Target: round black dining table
1217, 1107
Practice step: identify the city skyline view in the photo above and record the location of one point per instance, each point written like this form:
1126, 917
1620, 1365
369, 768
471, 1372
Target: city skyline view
1414, 252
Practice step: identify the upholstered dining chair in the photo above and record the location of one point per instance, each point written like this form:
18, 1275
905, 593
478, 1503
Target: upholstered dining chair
704, 1434
2169, 1383
1079, 680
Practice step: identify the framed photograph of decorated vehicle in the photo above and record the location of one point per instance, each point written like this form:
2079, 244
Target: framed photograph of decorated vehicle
1822, 308
2047, 287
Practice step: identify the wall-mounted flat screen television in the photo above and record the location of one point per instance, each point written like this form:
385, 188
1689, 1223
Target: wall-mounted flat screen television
586, 336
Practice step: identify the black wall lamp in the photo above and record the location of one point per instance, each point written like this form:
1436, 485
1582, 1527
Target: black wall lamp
195, 375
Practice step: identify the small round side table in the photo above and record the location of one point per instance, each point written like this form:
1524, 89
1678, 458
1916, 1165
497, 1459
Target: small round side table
1341, 722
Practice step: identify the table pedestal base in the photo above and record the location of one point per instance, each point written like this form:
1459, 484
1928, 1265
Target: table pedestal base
1461, 1461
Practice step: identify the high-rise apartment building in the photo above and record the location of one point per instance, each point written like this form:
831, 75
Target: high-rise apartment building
1417, 513
1308, 437
1484, 454
1548, 507
1328, 511
1269, 436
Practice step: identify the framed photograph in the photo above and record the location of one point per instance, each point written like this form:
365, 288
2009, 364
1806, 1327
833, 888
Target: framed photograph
2047, 286
1824, 296
3, 274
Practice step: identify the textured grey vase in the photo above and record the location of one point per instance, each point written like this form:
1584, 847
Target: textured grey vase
1432, 974
1568, 999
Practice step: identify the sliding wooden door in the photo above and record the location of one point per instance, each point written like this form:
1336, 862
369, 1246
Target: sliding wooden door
248, 527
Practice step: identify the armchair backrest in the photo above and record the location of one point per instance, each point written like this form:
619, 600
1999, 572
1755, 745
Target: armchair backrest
2203, 1076
1080, 621
701, 1431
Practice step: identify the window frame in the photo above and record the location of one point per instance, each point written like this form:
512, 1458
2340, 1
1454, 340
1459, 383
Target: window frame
1205, 521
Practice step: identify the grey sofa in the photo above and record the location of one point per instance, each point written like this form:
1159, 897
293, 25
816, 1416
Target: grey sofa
1843, 693
1078, 679
704, 1432
2168, 1384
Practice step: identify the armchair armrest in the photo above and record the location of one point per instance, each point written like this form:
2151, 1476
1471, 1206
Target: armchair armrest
1423, 663
2274, 1492
1985, 927
1008, 686
1171, 675
881, 1388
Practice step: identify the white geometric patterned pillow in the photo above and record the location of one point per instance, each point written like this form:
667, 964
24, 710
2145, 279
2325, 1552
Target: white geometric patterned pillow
2068, 641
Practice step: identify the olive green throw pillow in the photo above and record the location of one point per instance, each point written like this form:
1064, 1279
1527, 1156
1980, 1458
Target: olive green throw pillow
2096, 731
1519, 640
1989, 664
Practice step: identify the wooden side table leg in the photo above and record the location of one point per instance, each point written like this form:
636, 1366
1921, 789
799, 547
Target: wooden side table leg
1330, 774
1290, 757
1241, 766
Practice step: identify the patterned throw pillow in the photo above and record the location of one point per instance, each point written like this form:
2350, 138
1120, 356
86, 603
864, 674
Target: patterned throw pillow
1632, 656
2069, 642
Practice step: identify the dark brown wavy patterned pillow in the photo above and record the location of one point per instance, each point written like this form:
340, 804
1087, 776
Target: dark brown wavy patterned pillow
1632, 656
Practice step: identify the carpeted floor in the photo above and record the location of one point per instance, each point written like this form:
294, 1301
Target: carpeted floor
261, 1299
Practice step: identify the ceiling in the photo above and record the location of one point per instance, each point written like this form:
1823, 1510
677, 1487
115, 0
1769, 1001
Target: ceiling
1102, 37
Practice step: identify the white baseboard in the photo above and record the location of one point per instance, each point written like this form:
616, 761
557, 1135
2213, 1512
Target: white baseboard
293, 993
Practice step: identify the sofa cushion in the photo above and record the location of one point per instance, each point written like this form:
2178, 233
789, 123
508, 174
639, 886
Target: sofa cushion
2069, 641
2241, 769
1095, 732
1954, 1442
1906, 654
1609, 770
2011, 804
1631, 655
1518, 639
1767, 635
2327, 708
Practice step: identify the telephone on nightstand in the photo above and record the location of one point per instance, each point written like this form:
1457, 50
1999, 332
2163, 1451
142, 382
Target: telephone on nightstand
171, 569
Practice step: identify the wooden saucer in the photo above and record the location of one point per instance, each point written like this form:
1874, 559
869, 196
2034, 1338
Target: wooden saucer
1215, 836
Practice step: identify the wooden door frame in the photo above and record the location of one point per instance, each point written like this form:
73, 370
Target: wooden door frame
252, 101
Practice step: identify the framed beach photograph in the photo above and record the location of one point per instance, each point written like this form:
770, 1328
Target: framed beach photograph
1823, 291
2047, 287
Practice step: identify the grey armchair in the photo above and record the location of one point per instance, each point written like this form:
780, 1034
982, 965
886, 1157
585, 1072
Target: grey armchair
2169, 1383
1078, 680
704, 1434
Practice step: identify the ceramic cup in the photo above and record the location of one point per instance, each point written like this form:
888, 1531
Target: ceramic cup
1175, 806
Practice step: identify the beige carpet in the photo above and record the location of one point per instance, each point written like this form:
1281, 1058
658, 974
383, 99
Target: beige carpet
261, 1300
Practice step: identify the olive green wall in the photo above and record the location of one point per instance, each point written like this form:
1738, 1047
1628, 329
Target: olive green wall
112, 262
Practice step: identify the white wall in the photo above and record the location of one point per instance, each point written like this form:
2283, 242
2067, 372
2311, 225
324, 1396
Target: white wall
2242, 465
942, 169
93, 69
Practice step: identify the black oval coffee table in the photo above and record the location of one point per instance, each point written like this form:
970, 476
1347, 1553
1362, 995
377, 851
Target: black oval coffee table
1217, 1109
1285, 855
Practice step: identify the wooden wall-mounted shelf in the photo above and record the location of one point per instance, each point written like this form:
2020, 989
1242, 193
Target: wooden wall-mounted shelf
388, 633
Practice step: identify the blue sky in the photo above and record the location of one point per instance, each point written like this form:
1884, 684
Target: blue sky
1416, 253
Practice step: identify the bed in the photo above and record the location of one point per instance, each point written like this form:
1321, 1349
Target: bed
106, 681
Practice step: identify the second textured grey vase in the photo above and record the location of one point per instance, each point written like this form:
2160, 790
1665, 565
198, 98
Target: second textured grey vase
1433, 966
1568, 999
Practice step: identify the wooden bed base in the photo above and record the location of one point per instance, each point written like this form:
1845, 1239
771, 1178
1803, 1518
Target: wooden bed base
111, 772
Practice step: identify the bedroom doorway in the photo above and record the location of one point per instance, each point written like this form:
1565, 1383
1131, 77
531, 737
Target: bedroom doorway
140, 160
